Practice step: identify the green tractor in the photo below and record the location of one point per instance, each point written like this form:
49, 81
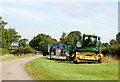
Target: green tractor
59, 51
87, 49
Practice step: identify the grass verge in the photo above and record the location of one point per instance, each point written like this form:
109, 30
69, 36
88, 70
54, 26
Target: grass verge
14, 57
45, 69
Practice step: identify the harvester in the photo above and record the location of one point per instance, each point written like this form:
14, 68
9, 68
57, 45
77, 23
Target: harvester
87, 49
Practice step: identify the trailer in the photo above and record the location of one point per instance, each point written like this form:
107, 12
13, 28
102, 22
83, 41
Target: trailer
46, 49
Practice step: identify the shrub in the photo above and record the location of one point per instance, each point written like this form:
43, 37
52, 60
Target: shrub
25, 50
112, 49
29, 50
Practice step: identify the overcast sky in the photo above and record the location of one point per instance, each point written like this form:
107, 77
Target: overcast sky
31, 18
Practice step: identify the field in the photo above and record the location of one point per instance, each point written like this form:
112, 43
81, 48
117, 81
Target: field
46, 69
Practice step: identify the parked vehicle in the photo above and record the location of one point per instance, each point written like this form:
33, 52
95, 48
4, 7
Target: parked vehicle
86, 49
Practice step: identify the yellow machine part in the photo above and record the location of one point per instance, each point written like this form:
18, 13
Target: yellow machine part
83, 57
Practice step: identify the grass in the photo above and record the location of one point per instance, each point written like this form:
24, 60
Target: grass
14, 57
45, 69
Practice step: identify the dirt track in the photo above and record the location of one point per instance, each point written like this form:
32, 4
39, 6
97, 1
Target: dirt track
15, 69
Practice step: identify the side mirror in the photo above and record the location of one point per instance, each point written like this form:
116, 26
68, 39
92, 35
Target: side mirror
98, 38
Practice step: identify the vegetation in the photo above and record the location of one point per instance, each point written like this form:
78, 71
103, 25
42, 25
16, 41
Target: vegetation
23, 42
71, 38
110, 59
14, 57
45, 69
38, 41
113, 48
118, 38
112, 41
4, 51
8, 35
25, 50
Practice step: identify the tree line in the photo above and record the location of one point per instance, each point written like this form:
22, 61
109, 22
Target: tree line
112, 41
7, 36
113, 47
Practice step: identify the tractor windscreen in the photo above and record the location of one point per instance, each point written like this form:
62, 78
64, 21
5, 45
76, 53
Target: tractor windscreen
89, 41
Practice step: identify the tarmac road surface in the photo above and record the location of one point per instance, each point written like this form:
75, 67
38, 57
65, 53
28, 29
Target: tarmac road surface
15, 69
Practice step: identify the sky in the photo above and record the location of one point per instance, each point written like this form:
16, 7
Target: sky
33, 17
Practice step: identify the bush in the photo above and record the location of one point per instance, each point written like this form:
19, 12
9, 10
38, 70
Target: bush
29, 50
112, 50
25, 50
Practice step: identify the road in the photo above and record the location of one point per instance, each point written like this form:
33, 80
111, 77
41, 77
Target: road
15, 69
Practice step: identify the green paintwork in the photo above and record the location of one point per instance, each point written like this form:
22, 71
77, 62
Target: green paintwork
46, 47
88, 49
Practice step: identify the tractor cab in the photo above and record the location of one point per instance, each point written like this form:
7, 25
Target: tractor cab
89, 43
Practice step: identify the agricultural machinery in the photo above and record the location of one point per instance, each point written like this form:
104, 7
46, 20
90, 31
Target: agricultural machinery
59, 51
87, 49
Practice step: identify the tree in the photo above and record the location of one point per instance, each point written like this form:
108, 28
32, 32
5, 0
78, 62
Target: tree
71, 38
105, 44
63, 37
2, 33
14, 37
8, 35
112, 42
38, 41
23, 43
118, 38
